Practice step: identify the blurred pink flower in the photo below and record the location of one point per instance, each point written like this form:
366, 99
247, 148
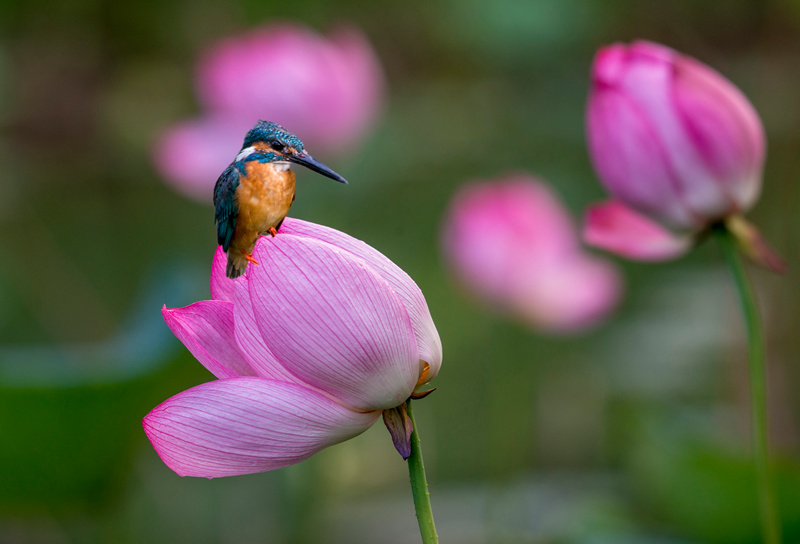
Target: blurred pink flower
327, 90
309, 348
512, 242
677, 145
192, 154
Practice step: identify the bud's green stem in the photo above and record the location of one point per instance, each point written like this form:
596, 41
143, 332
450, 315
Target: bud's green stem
770, 527
419, 486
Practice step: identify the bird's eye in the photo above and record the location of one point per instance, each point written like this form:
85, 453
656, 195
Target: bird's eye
278, 146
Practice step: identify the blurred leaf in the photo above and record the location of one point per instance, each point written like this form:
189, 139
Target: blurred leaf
707, 490
71, 415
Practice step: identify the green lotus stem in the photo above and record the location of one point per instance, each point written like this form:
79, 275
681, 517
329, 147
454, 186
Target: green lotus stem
770, 528
419, 486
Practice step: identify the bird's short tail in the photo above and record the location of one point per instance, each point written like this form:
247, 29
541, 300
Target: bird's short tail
236, 264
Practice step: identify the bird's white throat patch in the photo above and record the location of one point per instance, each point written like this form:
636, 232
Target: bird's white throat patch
280, 166
246, 152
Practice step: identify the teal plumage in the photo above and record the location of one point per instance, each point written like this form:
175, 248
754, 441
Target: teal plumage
225, 209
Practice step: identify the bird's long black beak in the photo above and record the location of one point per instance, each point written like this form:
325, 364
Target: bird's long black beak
310, 162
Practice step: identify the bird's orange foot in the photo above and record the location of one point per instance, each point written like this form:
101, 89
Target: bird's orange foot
249, 257
273, 232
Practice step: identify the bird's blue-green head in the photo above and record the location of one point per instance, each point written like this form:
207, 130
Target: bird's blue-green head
269, 142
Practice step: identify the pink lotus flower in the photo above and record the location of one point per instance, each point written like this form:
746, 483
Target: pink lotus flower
512, 243
327, 90
677, 145
309, 349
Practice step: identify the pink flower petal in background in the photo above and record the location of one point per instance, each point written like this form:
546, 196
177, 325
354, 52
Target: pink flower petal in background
333, 338
724, 128
326, 89
571, 295
192, 154
512, 243
247, 425
616, 228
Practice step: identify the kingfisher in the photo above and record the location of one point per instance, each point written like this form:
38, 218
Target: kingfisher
254, 193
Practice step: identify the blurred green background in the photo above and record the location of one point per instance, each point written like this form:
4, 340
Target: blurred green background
636, 432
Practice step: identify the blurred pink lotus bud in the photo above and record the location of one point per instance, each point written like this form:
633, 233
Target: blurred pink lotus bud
326, 89
192, 154
513, 244
310, 348
674, 142
672, 138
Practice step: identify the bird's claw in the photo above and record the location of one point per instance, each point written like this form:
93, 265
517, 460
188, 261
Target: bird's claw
249, 257
273, 232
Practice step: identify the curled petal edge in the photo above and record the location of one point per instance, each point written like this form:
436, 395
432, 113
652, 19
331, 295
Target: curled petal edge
206, 328
614, 227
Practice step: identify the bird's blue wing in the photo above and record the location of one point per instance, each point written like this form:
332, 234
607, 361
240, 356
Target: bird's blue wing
225, 209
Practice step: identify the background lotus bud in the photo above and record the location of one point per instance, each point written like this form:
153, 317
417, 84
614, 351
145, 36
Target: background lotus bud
190, 152
674, 142
306, 358
326, 89
512, 243
672, 138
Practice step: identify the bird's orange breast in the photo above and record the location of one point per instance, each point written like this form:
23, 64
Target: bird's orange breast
263, 198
